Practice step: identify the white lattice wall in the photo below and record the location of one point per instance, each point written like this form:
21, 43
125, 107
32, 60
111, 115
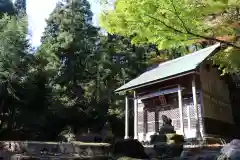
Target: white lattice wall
174, 115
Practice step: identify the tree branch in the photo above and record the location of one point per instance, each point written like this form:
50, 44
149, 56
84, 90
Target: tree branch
197, 35
191, 33
176, 13
166, 25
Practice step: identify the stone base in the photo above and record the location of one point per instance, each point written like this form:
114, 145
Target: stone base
35, 150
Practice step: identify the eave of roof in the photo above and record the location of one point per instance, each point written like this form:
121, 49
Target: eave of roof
174, 68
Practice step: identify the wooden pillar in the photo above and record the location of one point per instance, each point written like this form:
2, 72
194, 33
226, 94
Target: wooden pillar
144, 124
195, 103
126, 118
135, 116
181, 110
202, 114
188, 118
156, 121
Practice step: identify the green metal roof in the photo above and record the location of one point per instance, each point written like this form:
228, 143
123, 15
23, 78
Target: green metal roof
171, 68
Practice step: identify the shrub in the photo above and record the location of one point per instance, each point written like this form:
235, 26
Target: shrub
129, 148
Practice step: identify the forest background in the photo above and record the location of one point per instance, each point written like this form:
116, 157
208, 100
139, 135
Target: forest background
67, 84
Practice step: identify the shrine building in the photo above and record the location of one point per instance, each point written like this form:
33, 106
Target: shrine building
189, 90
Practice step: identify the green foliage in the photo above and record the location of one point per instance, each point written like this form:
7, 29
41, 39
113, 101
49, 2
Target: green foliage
6, 6
175, 23
71, 38
29, 104
228, 60
20, 7
13, 65
88, 67
68, 43
118, 62
68, 85
13, 48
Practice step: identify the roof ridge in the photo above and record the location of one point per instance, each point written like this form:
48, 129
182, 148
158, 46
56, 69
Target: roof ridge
189, 54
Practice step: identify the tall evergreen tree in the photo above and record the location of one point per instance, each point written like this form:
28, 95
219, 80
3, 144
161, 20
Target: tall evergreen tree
20, 7
14, 65
6, 6
72, 36
90, 67
118, 61
70, 39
